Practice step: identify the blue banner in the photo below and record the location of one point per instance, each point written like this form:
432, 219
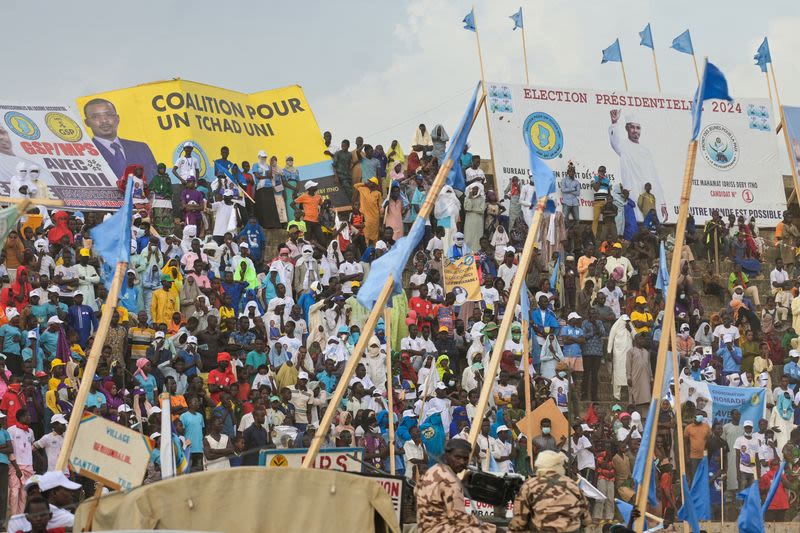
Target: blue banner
749, 401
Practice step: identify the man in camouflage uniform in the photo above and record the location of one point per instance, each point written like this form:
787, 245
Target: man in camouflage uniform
550, 501
440, 499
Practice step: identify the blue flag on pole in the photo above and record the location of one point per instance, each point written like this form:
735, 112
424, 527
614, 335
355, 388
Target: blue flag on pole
524, 302
688, 512
700, 494
641, 457
751, 518
554, 273
663, 270
612, 53
646, 37
455, 177
773, 488
625, 509
683, 43
544, 181
469, 21
517, 18
763, 56
713, 86
111, 240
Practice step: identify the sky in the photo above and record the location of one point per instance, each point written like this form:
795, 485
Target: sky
377, 68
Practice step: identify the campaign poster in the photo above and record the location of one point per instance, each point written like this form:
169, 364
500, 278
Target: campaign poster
46, 153
792, 125
461, 278
642, 139
749, 401
149, 124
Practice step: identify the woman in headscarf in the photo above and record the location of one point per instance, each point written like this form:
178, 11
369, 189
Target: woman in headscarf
459, 417
439, 137
18, 294
61, 229
512, 192
162, 210
266, 207
145, 379
620, 341
344, 423
427, 378
550, 356
188, 296
446, 210
395, 154
290, 177
443, 369
394, 207
375, 363
704, 335
114, 398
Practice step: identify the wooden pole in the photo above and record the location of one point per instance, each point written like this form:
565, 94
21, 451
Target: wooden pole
716, 249
372, 320
387, 324
786, 138
673, 337
526, 350
721, 488
485, 108
33, 201
624, 76
696, 71
655, 64
98, 492
490, 373
91, 366
669, 321
525, 56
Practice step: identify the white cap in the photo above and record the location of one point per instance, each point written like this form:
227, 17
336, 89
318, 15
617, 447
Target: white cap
58, 418
794, 353
11, 312
311, 183
227, 192
262, 153
302, 375
56, 478
501, 427
153, 410
188, 144
244, 245
124, 408
747, 423
695, 357
308, 248
154, 436
32, 334
380, 245
54, 320
510, 249
159, 335
727, 338
53, 289
585, 427
131, 271
409, 413
2, 414
573, 315
191, 339
33, 293
441, 386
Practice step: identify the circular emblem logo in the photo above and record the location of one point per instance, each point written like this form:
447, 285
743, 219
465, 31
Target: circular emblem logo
64, 127
428, 432
747, 196
755, 400
542, 132
279, 460
720, 148
22, 125
198, 154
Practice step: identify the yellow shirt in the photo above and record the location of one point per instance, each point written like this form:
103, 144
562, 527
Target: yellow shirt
636, 316
163, 306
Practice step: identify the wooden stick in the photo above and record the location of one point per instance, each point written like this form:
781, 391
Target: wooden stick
669, 322
98, 491
721, 488
673, 337
34, 201
486, 108
490, 373
786, 138
526, 350
696, 71
655, 64
91, 366
624, 76
387, 324
716, 249
525, 56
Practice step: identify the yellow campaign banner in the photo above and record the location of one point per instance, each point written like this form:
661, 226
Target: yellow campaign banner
461, 278
149, 124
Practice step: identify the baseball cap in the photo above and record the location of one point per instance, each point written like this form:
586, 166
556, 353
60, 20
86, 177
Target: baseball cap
56, 478
625, 415
124, 408
409, 413
585, 427
641, 300
227, 192
573, 315
262, 153
380, 245
244, 245
443, 329
191, 339
303, 375
32, 334
747, 423
34, 293
616, 408
154, 436
441, 386
311, 184
617, 245
85, 252
159, 335
501, 427
58, 418
374, 180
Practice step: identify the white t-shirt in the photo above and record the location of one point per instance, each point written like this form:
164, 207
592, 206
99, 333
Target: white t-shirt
506, 273
187, 167
417, 279
434, 244
222, 218
720, 332
412, 451
583, 452
490, 296
474, 173
60, 518
51, 444
778, 276
22, 443
349, 269
747, 463
501, 449
612, 299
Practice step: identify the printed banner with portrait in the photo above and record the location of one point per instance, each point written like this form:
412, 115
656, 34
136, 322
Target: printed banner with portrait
461, 278
641, 139
46, 153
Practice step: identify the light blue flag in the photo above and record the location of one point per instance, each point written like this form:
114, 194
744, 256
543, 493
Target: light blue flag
688, 512
641, 457
111, 240
773, 488
524, 302
713, 86
751, 518
554, 273
469, 21
700, 493
625, 509
392, 262
646, 37
683, 43
612, 53
763, 56
544, 181
517, 18
456, 176
662, 281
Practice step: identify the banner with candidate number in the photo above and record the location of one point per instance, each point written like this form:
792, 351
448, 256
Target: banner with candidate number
717, 401
461, 278
46, 153
151, 122
642, 138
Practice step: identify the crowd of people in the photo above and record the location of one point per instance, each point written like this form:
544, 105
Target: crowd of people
240, 303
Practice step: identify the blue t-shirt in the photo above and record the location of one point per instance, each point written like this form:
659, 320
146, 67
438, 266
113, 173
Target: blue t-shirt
149, 386
4, 438
48, 342
571, 350
256, 359
96, 399
193, 424
10, 345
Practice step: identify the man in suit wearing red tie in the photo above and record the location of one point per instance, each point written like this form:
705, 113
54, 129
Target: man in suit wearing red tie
102, 118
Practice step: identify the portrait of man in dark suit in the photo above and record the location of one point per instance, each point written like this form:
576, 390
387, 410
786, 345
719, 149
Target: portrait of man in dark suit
102, 118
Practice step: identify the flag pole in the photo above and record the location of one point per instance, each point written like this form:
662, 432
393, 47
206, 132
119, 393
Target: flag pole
372, 319
668, 324
524, 57
526, 350
513, 299
786, 138
485, 92
387, 324
91, 366
678, 414
696, 71
655, 64
624, 76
